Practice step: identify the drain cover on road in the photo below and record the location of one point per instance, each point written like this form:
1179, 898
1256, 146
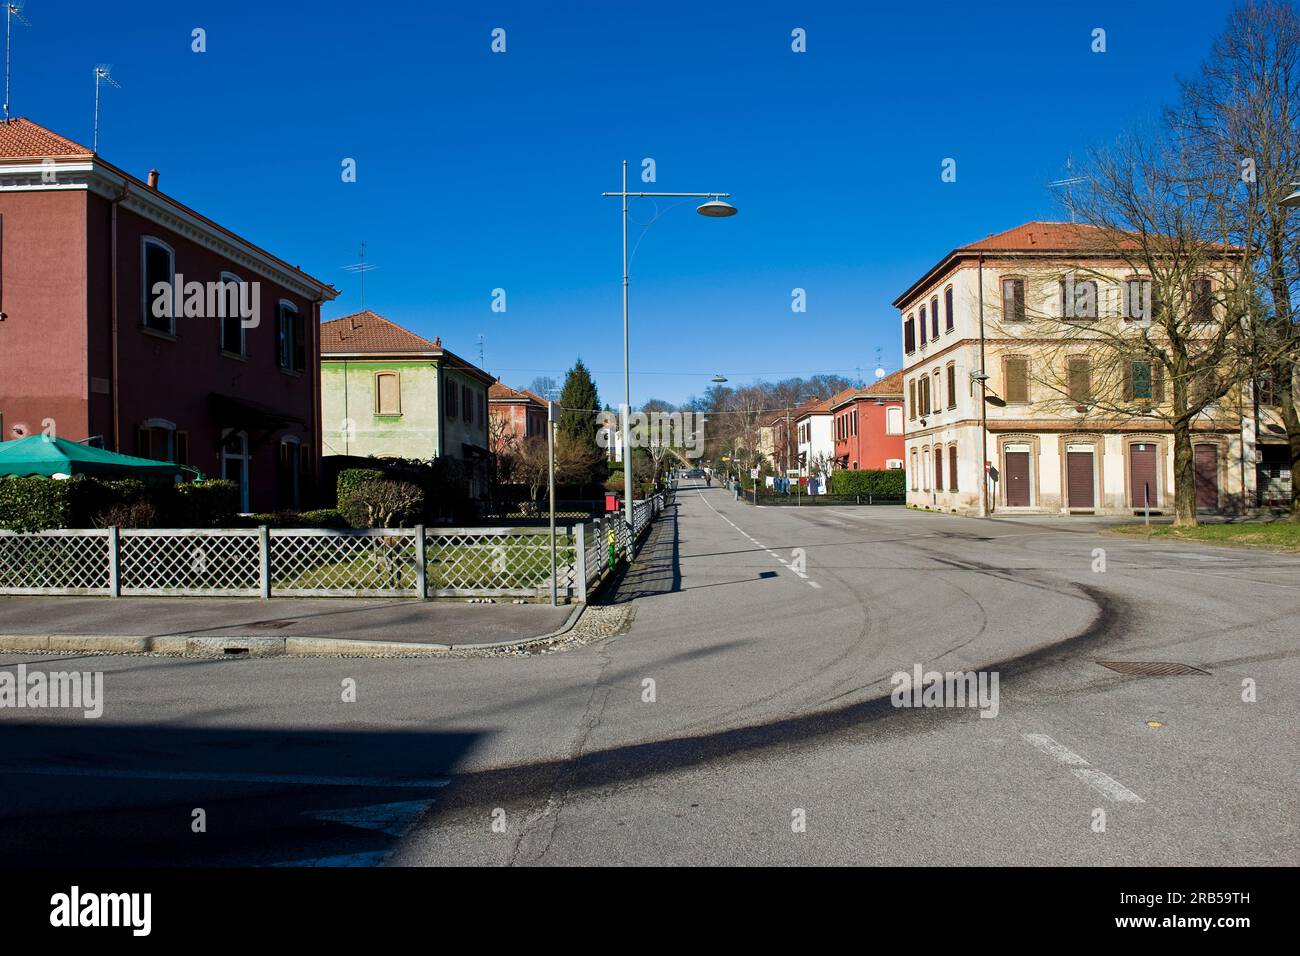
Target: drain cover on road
1152, 668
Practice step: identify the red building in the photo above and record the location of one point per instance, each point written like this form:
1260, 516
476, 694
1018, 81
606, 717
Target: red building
517, 415
222, 375
868, 425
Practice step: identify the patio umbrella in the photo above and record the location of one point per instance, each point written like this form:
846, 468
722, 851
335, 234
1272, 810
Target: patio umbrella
43, 455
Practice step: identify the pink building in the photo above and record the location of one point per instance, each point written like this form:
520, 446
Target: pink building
225, 379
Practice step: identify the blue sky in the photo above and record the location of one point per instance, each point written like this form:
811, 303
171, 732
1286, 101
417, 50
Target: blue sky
478, 171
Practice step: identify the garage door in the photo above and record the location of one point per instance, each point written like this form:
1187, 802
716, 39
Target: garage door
1142, 476
1017, 479
1079, 479
1207, 477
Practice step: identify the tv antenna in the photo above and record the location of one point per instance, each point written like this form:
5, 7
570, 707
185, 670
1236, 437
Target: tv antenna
480, 351
361, 268
880, 368
13, 11
102, 72
1065, 184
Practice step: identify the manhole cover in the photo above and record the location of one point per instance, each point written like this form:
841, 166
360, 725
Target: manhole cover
271, 625
1152, 668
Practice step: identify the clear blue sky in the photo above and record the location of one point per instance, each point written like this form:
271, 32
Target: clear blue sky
479, 170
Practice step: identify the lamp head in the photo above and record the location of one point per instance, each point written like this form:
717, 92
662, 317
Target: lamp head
716, 209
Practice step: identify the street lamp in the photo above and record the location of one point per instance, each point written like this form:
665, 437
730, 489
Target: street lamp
714, 208
1293, 201
719, 379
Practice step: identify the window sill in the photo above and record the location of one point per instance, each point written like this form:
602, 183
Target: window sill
237, 356
158, 333
292, 373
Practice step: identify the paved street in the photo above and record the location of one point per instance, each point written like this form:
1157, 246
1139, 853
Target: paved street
771, 681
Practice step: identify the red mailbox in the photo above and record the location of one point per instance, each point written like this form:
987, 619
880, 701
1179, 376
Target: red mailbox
611, 502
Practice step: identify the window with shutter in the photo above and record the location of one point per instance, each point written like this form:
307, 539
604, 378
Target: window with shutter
909, 335
911, 400
952, 468
924, 324
938, 391
1079, 380
934, 317
450, 391
947, 309
1202, 300
1013, 300
952, 386
1016, 372
388, 393
159, 267
1140, 383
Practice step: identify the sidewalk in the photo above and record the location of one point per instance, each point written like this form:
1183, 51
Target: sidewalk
281, 626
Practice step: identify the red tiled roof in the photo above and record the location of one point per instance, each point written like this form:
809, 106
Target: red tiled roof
368, 332
1041, 237
22, 139
498, 391
889, 385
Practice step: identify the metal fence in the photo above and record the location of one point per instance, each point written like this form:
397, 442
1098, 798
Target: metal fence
265, 562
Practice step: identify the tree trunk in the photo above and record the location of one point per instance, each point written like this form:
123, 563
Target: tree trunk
1184, 476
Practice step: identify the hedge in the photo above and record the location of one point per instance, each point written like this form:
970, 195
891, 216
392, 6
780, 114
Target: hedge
35, 503
350, 478
890, 483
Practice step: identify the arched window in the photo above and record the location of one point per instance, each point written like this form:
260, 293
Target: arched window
934, 317
947, 309
157, 269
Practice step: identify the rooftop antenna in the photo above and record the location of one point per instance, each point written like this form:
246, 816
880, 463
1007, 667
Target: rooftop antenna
480, 351
102, 72
361, 268
13, 11
1065, 184
880, 367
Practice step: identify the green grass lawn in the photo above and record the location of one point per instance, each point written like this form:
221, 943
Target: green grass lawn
1272, 536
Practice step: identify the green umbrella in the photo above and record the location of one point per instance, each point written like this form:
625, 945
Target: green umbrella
43, 455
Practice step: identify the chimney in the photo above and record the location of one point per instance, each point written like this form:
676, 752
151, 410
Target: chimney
153, 179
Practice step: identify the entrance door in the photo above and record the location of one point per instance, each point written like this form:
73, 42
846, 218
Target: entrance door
1017, 479
1142, 476
234, 464
1078, 477
1207, 477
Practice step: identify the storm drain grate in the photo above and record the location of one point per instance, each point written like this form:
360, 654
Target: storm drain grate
1152, 668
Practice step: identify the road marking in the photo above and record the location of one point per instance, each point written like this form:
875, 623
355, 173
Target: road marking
1050, 747
391, 818
1110, 788
222, 776
755, 542
814, 584
1102, 782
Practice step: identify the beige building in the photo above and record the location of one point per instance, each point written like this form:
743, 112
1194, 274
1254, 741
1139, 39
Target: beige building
1048, 449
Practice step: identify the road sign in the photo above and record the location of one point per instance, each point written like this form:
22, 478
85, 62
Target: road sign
753, 473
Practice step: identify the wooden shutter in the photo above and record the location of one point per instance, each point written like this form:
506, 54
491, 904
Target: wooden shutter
911, 400
952, 386
1017, 376
952, 468
1078, 477
388, 394
909, 335
1079, 375
1157, 383
938, 468
947, 308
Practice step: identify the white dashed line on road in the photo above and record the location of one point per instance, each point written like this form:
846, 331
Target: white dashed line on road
785, 564
1103, 783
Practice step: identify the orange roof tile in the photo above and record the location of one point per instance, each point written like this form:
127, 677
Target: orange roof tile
20, 138
367, 332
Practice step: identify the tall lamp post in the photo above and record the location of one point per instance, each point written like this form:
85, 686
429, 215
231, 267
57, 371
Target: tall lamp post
714, 208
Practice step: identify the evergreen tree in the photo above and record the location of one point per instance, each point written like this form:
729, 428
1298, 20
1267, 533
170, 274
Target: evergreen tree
579, 404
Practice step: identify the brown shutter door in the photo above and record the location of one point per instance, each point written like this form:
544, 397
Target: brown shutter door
1017, 479
1207, 477
1142, 476
1079, 479
1017, 370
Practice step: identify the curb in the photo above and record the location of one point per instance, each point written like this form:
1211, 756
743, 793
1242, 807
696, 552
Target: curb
182, 645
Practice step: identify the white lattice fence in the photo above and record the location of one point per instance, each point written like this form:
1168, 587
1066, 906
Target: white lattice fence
54, 562
369, 563
505, 561
201, 562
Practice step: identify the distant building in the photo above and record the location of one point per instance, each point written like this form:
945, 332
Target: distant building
816, 442
390, 393
1049, 447
222, 375
517, 415
868, 425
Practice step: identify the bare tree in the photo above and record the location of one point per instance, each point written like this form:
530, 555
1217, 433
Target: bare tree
1241, 117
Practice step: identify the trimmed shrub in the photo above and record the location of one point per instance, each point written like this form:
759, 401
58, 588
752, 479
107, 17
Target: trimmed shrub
350, 478
890, 483
35, 504
135, 514
201, 504
320, 518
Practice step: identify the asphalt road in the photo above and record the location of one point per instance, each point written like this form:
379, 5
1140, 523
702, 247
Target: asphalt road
767, 735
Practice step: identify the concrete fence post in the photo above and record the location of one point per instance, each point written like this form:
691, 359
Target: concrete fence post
580, 559
114, 562
421, 584
264, 560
